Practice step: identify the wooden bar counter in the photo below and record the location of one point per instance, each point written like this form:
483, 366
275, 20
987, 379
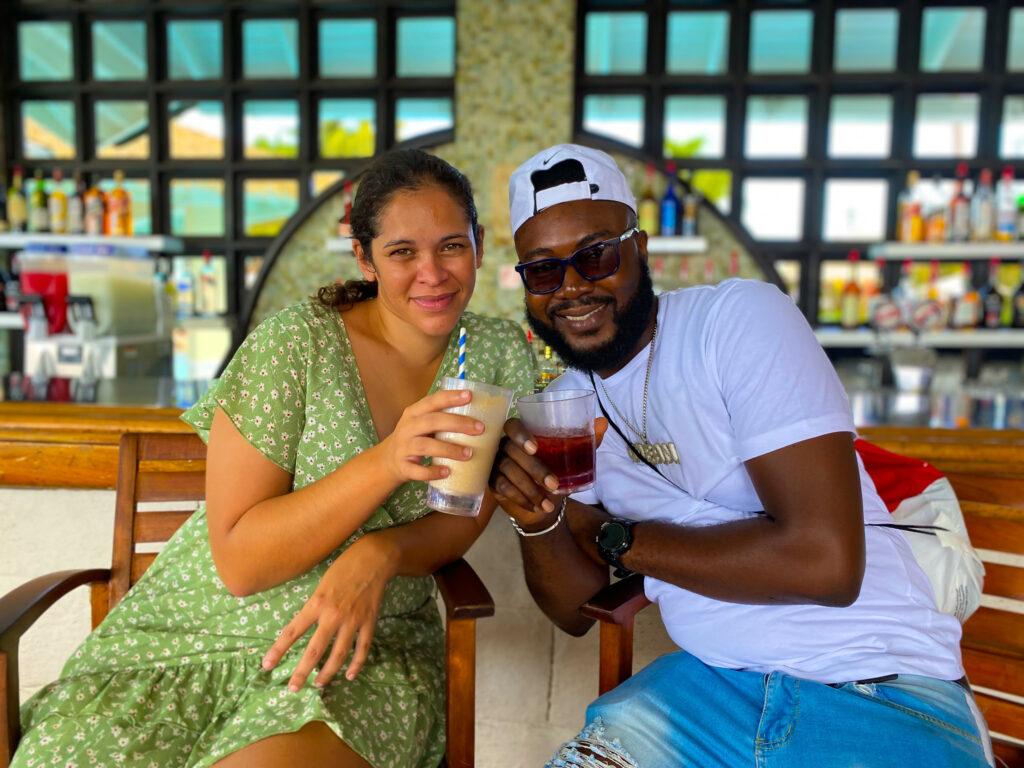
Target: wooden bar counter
70, 445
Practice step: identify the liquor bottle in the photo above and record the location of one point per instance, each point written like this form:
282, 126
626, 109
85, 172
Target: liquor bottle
17, 206
38, 210
669, 206
872, 295
1017, 313
3, 205
958, 223
119, 208
1006, 207
95, 209
709, 271
547, 370
734, 264
934, 211
992, 302
691, 204
76, 207
910, 222
647, 209
983, 209
207, 298
849, 304
58, 205
966, 311
684, 271
345, 222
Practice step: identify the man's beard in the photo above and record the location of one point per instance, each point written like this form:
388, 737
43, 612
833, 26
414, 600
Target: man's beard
630, 323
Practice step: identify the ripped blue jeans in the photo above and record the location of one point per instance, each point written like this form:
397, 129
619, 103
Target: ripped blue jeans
679, 712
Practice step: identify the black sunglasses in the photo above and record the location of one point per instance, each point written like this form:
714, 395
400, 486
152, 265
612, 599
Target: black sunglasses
593, 262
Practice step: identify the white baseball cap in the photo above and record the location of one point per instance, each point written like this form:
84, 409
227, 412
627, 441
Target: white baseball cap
563, 173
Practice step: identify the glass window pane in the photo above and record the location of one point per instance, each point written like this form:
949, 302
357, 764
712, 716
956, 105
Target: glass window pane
321, 180
855, 209
695, 126
122, 129
1011, 134
270, 48
716, 187
44, 50
780, 41
616, 44
347, 127
773, 209
48, 129
196, 129
866, 39
417, 117
194, 50
140, 196
776, 126
268, 204
698, 43
426, 46
119, 50
197, 207
348, 48
271, 128
946, 125
952, 39
860, 126
1015, 45
618, 117
789, 271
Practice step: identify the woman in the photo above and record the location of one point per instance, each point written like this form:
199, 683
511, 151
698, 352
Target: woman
292, 620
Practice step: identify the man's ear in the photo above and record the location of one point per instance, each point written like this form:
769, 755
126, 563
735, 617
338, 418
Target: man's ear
365, 265
641, 244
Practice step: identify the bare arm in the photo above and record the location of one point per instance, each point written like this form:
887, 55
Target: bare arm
263, 534
807, 548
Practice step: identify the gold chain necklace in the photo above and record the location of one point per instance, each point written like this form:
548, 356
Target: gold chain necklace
658, 453
647, 381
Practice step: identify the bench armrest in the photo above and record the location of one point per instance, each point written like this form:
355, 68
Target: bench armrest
20, 607
618, 603
464, 595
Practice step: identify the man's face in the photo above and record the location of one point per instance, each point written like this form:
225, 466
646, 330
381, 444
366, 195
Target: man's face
591, 325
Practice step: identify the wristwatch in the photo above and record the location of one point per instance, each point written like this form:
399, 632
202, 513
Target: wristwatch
613, 541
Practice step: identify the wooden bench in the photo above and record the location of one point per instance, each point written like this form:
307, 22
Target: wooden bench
986, 468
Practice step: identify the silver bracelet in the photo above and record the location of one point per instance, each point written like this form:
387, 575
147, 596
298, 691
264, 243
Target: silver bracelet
561, 514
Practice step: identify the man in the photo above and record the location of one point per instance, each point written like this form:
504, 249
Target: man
730, 481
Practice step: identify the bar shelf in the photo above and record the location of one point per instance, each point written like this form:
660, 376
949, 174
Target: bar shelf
151, 243
894, 251
986, 338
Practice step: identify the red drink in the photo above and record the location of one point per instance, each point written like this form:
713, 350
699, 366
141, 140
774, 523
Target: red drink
570, 458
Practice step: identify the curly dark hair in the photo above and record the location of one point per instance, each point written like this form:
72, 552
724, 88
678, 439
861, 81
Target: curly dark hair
394, 171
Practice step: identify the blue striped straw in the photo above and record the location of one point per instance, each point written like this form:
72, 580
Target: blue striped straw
462, 353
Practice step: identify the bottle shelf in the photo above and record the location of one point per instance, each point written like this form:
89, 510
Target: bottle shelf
946, 251
11, 321
994, 338
152, 243
677, 245
661, 245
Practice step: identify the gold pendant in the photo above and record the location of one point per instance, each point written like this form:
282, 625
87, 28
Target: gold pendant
655, 453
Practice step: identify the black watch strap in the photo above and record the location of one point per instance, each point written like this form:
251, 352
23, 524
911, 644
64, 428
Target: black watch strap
614, 539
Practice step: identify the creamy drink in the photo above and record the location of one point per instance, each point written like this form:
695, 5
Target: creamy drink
462, 491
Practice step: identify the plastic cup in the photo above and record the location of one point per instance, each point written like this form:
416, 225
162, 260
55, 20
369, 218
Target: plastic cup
463, 490
562, 424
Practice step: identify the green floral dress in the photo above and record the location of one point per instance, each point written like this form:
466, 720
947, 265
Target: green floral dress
173, 676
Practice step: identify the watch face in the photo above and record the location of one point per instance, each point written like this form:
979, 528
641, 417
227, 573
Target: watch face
612, 535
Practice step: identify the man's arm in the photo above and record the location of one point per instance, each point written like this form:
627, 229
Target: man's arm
808, 547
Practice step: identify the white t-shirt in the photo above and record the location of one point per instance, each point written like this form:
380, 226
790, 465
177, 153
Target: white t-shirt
738, 373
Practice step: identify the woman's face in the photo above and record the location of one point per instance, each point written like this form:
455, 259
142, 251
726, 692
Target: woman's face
425, 259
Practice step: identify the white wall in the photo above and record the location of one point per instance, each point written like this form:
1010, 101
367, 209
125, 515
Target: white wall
533, 682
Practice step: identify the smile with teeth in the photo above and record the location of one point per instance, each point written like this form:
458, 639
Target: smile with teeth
577, 319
